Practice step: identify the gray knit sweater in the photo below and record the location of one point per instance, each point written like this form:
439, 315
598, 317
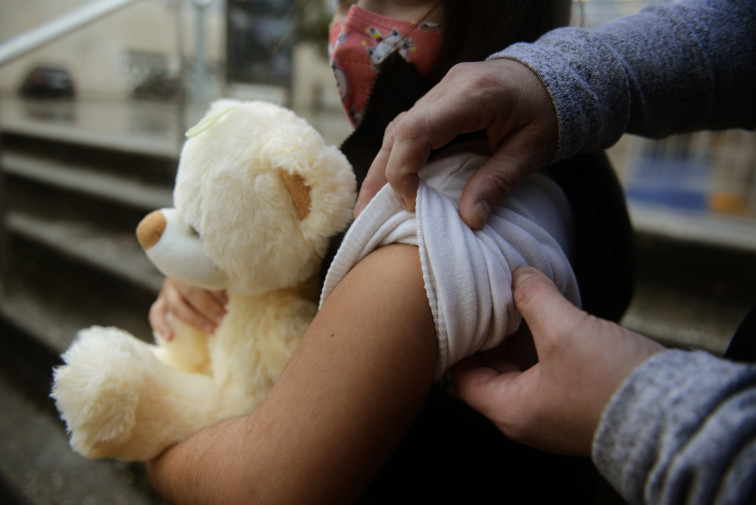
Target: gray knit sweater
682, 428
671, 68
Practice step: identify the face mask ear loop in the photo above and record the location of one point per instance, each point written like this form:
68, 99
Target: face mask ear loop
425, 16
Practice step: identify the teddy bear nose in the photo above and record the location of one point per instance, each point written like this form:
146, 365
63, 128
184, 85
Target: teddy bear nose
150, 229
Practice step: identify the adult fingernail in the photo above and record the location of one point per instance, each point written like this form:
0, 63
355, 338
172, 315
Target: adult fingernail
483, 210
524, 273
409, 205
358, 208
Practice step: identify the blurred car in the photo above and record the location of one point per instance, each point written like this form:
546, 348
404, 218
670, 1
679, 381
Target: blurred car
47, 81
157, 87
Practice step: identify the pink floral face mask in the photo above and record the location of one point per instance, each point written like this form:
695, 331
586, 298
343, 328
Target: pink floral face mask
363, 40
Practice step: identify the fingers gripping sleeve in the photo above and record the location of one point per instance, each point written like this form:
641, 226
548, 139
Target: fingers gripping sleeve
468, 274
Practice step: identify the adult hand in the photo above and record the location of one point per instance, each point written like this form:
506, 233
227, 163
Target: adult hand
557, 403
504, 98
196, 306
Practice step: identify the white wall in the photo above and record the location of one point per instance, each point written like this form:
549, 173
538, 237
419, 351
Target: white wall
97, 55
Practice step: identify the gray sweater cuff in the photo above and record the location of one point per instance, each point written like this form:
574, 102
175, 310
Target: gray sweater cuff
681, 429
585, 122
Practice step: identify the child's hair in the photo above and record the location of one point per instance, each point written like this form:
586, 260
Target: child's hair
475, 29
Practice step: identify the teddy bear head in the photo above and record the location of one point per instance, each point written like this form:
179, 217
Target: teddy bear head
257, 196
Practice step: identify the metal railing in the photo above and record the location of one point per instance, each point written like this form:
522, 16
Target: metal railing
53, 30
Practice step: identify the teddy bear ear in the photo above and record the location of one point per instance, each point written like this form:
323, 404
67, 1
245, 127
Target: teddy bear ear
299, 191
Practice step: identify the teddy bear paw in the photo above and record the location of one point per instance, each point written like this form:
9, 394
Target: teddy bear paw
97, 391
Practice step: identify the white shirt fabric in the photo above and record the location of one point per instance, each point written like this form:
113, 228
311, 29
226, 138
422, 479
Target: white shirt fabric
467, 273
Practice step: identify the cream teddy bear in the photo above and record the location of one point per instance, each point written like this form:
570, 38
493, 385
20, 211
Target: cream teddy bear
258, 194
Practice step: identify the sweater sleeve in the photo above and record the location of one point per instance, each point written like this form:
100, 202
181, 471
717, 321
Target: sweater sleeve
672, 68
682, 429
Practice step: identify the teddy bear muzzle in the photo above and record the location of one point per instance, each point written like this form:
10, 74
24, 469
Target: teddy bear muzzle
151, 228
177, 249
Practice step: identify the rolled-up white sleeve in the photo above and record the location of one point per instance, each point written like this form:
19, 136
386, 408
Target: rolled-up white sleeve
467, 273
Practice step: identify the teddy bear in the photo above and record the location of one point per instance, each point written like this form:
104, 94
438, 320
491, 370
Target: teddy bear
258, 195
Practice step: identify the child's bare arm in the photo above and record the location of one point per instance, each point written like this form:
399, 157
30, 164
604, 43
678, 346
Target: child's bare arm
344, 402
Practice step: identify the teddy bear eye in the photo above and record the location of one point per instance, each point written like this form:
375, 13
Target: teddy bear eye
194, 231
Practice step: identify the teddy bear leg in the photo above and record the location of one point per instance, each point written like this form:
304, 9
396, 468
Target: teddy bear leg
98, 388
119, 401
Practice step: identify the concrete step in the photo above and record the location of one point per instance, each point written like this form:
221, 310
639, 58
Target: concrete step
50, 297
84, 201
103, 156
114, 252
145, 128
66, 176
37, 465
70, 215
43, 303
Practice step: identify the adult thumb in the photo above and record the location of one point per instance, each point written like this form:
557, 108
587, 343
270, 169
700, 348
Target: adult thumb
546, 311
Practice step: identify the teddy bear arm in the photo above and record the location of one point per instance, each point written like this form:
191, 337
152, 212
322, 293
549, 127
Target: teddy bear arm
187, 350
